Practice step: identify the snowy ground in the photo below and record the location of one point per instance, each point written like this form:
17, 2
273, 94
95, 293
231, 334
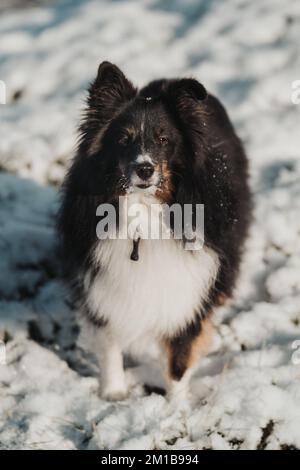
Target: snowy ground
246, 394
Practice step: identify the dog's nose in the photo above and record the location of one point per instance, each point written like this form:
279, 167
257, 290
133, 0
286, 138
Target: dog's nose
144, 171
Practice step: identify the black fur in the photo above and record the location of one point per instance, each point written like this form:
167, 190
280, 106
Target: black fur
206, 160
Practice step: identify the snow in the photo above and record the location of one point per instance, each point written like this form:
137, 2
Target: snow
246, 393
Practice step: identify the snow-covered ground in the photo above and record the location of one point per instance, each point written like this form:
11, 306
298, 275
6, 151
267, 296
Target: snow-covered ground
246, 394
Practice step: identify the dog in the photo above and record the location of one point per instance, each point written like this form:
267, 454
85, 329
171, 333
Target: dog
170, 142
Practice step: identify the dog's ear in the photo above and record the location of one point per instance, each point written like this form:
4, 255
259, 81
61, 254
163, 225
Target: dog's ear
186, 99
107, 94
186, 91
112, 85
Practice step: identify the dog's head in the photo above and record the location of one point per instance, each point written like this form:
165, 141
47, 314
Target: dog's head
141, 140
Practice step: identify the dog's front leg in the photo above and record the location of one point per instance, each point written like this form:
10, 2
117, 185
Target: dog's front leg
112, 375
183, 349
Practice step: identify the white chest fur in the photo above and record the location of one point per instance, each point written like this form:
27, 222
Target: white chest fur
154, 296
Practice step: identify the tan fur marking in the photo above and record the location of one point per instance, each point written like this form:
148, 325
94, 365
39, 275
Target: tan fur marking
221, 299
167, 347
199, 347
165, 190
201, 344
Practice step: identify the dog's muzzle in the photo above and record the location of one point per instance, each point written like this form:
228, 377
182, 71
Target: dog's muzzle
144, 175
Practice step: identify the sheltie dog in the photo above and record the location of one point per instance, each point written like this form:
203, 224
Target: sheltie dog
169, 143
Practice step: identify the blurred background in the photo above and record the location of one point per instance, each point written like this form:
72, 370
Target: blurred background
246, 394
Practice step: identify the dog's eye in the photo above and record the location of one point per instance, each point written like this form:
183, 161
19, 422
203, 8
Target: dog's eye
124, 139
163, 140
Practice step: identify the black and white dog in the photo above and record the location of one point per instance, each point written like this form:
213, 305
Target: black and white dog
170, 142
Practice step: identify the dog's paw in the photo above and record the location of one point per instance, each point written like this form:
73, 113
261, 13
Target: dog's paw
114, 393
178, 395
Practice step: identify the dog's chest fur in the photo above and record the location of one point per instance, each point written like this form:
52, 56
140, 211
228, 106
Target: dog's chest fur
154, 296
